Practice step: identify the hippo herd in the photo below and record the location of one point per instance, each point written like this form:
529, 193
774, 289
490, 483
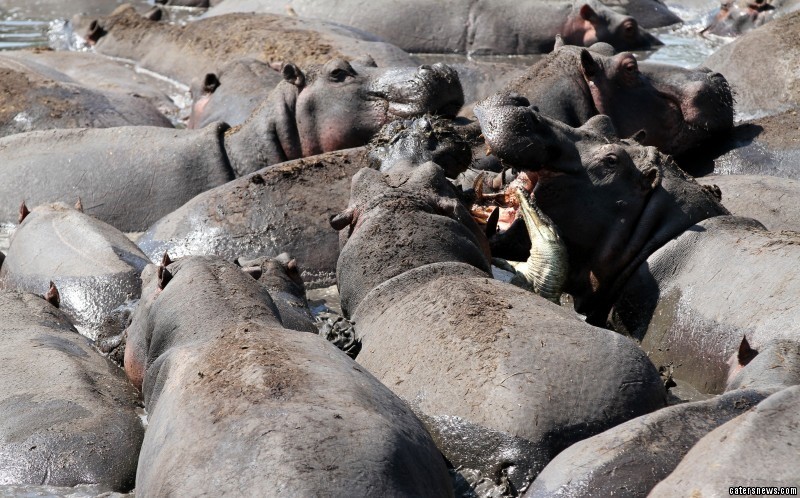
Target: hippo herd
371, 258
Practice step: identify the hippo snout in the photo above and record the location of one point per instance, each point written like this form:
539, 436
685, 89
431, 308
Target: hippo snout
434, 89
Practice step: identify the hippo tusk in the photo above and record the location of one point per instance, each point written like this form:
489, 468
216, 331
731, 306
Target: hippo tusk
545, 271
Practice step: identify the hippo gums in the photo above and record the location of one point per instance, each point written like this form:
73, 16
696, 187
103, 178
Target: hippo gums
336, 105
239, 404
677, 108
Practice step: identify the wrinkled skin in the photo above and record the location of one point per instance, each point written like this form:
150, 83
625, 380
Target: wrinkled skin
764, 146
631, 458
95, 267
197, 48
677, 108
453, 26
213, 381
758, 448
773, 201
306, 114
778, 62
68, 414
37, 98
461, 348
624, 200
232, 93
286, 207
736, 17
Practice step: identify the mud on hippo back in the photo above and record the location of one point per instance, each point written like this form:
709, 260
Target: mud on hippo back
677, 108
489, 27
648, 241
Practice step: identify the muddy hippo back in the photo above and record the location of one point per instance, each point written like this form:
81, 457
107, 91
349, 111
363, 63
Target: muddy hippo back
93, 265
68, 413
42, 100
128, 177
239, 404
200, 47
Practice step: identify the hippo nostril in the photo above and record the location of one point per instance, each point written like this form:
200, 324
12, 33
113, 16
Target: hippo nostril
425, 67
519, 100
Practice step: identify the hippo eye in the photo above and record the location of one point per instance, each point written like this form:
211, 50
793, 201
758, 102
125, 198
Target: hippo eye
611, 160
338, 74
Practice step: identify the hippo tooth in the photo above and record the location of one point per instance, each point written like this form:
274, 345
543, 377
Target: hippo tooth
52, 296
23, 212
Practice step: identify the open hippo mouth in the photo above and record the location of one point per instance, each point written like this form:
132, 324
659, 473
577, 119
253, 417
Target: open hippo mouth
432, 89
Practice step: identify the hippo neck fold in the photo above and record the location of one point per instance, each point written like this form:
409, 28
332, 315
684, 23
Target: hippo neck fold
674, 206
269, 136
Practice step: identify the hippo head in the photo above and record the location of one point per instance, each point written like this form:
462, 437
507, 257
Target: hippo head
399, 221
739, 16
338, 105
589, 23
417, 141
678, 108
613, 201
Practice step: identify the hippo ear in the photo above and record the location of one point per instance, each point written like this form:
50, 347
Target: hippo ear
651, 178
342, 220
293, 75
210, 83
602, 125
589, 66
640, 136
745, 354
23, 212
366, 60
588, 14
52, 296
253, 271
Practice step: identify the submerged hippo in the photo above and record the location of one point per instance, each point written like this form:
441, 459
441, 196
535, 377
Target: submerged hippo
185, 52
647, 240
766, 56
132, 176
239, 404
286, 207
736, 17
38, 98
677, 108
68, 414
95, 267
498, 375
487, 27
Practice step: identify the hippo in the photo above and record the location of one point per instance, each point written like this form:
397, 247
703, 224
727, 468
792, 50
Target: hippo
32, 99
761, 146
334, 106
232, 93
684, 107
227, 387
496, 373
286, 207
200, 4
757, 448
48, 10
192, 50
773, 201
95, 267
736, 17
101, 73
648, 246
631, 458
499, 27
762, 55
69, 415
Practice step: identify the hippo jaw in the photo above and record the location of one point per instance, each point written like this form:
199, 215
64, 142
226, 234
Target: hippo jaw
432, 89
